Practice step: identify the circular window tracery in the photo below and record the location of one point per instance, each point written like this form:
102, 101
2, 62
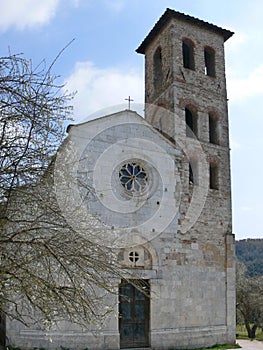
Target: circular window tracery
133, 177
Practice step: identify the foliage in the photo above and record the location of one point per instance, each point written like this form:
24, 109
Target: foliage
49, 271
249, 300
250, 252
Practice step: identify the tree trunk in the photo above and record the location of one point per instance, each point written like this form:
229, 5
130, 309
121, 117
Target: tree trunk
2, 330
251, 332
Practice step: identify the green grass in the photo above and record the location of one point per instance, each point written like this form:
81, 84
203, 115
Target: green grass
215, 347
242, 333
218, 347
225, 346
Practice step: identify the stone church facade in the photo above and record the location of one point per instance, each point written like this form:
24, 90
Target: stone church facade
162, 187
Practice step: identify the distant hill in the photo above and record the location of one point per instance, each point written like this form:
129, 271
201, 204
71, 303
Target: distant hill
250, 252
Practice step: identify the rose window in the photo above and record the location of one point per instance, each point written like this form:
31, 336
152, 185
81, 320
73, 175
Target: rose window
133, 177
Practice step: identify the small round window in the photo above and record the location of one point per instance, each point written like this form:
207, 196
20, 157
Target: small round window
133, 257
133, 177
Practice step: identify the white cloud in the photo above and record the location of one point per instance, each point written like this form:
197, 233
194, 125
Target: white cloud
241, 88
102, 88
246, 209
237, 42
115, 5
21, 14
76, 3
112, 5
234, 144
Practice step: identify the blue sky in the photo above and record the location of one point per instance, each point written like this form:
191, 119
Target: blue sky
102, 65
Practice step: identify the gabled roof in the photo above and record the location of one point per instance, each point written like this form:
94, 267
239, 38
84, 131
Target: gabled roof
172, 14
124, 117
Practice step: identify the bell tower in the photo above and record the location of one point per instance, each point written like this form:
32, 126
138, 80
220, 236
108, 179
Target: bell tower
185, 74
186, 100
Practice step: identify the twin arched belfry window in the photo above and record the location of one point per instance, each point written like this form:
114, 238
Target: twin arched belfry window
189, 58
188, 62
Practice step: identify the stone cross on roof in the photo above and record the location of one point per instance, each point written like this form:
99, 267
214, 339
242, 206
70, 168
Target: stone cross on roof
129, 101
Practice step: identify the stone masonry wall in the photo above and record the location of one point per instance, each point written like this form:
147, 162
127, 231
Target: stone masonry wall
201, 258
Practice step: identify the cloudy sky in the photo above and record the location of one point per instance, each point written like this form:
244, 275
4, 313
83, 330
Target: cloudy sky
102, 65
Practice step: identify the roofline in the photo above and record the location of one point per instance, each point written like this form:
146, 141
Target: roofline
136, 115
172, 14
102, 117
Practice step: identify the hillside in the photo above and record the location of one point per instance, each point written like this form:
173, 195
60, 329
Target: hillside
250, 252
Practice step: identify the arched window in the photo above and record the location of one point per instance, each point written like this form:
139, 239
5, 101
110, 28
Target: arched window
213, 172
158, 69
213, 129
209, 61
188, 54
193, 172
191, 122
191, 175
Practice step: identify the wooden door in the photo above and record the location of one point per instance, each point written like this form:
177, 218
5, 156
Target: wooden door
134, 315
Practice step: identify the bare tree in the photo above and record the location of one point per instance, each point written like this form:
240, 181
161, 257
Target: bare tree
249, 300
32, 112
49, 271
